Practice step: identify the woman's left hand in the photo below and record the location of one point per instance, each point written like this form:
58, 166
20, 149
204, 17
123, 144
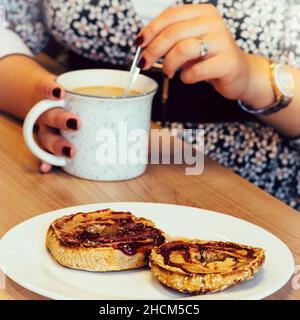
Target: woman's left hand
176, 35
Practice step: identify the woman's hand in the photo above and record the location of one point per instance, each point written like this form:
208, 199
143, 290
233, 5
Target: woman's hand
25, 83
176, 34
54, 120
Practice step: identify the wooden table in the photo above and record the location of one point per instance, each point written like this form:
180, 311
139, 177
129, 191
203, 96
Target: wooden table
24, 193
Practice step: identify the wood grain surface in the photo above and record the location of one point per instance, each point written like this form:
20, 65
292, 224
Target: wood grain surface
24, 193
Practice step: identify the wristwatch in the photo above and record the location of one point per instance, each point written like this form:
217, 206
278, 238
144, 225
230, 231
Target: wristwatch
283, 85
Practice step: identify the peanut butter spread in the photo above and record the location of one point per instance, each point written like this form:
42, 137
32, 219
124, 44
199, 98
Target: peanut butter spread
107, 228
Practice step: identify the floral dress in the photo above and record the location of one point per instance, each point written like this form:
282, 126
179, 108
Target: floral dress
104, 30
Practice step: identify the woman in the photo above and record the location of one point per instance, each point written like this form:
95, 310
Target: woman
196, 38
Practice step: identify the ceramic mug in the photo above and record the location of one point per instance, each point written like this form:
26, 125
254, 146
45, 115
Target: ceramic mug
102, 118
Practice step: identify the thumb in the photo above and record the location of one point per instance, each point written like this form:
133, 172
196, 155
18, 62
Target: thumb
48, 88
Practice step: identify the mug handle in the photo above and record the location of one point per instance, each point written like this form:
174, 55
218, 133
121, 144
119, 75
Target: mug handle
28, 127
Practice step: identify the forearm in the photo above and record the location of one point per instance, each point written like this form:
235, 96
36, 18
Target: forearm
260, 94
19, 76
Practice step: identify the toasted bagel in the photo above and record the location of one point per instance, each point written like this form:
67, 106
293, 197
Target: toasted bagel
103, 240
204, 266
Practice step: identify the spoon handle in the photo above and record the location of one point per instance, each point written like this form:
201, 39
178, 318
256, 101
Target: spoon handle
134, 72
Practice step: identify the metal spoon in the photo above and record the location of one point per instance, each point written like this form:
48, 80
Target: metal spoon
134, 72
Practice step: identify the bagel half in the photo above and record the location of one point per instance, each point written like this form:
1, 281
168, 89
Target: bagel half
197, 266
103, 240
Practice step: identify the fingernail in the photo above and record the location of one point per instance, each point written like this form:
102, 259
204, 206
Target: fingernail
142, 63
66, 151
139, 40
72, 124
56, 93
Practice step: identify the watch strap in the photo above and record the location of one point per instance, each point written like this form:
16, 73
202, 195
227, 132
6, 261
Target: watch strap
265, 111
282, 100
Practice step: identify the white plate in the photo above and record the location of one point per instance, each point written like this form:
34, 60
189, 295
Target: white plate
24, 257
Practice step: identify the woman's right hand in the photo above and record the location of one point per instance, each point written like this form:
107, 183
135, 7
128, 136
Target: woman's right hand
54, 120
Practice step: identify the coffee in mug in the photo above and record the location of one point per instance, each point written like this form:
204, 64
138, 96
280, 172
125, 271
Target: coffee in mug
105, 121
104, 91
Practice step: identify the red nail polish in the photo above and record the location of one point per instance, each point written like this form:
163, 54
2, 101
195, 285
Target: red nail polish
142, 63
56, 93
139, 40
66, 151
72, 124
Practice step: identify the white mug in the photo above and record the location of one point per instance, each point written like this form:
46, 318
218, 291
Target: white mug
99, 115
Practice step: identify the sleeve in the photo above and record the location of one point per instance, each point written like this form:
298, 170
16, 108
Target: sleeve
11, 43
22, 25
290, 43
294, 143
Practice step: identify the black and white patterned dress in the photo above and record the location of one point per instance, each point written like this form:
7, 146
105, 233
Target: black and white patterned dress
105, 29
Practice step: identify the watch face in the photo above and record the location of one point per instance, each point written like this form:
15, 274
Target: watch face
284, 80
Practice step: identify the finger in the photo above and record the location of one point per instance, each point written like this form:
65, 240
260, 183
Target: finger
45, 167
173, 34
213, 68
189, 50
171, 16
55, 143
48, 88
60, 119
